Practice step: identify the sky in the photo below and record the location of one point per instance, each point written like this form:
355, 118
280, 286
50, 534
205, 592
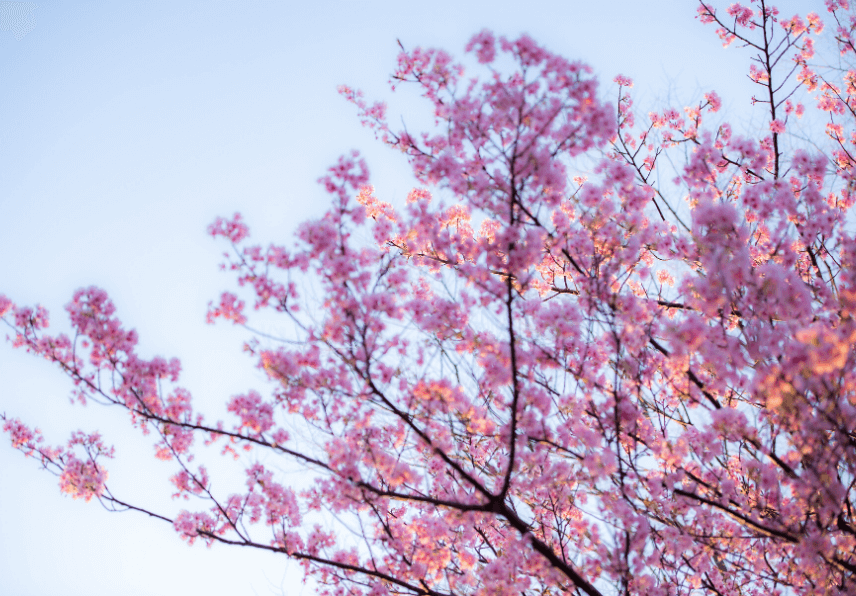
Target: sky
127, 127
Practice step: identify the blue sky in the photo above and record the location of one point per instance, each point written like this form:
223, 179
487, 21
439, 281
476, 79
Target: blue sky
126, 127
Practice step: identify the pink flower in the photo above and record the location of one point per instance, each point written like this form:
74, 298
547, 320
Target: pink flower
255, 415
758, 75
713, 99
623, 81
82, 479
777, 126
814, 22
234, 229
742, 15
230, 308
6, 305
484, 44
191, 525
22, 436
834, 130
705, 13
665, 278
795, 26
827, 349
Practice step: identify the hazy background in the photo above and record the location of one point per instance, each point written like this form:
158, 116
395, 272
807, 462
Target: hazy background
126, 127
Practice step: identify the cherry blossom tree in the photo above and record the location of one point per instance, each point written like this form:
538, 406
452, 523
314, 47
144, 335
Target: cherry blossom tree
566, 376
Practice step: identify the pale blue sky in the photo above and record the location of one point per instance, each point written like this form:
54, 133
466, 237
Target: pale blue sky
126, 127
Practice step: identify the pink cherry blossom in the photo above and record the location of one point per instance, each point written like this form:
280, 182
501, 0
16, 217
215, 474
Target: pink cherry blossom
548, 368
714, 101
230, 308
234, 229
82, 479
484, 45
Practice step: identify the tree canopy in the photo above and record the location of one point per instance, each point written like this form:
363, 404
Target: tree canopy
596, 352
